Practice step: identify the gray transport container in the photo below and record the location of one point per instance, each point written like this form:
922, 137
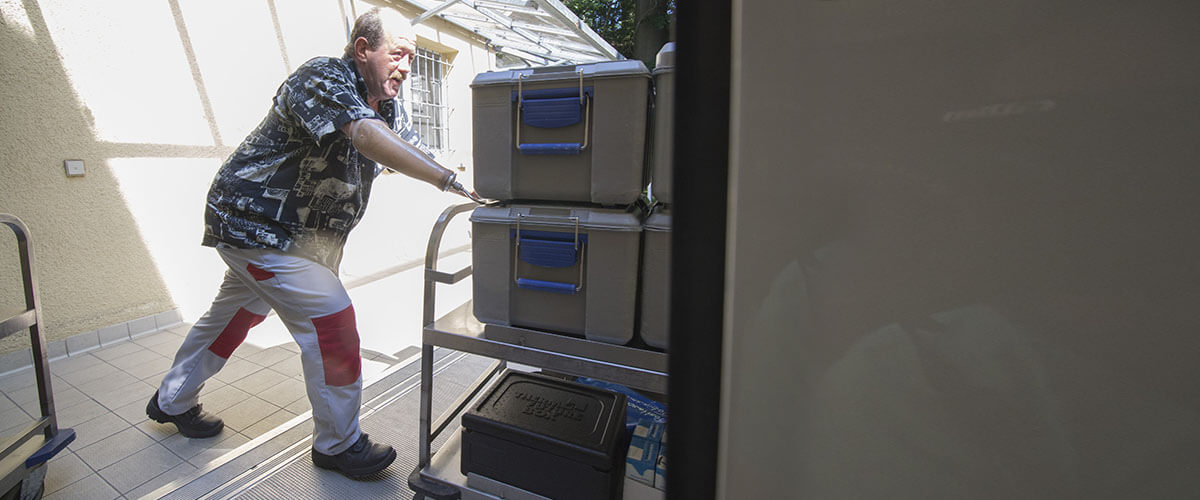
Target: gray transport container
664, 109
571, 270
563, 133
656, 282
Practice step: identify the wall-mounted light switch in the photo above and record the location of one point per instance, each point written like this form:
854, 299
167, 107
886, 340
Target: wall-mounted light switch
74, 168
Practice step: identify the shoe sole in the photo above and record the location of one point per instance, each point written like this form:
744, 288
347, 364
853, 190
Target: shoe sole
329, 463
159, 416
209, 434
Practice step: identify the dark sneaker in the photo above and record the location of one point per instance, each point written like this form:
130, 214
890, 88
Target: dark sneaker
362, 459
194, 423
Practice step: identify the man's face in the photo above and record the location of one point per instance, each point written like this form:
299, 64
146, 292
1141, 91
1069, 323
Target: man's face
384, 68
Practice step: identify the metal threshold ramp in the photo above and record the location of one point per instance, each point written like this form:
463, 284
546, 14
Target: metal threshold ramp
278, 464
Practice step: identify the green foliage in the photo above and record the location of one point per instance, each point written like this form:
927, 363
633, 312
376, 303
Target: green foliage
613, 20
616, 20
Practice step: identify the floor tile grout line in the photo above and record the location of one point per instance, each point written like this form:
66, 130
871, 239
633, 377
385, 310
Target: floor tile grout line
93, 470
139, 485
85, 464
252, 424
235, 433
118, 490
134, 427
124, 494
110, 485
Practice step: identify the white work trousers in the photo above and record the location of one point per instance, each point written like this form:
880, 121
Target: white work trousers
313, 304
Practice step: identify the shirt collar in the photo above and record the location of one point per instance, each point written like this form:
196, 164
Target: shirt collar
359, 83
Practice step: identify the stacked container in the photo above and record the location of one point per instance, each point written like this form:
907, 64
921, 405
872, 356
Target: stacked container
562, 134
664, 108
656, 253
564, 269
562, 148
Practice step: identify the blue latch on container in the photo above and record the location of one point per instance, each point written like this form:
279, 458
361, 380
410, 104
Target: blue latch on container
552, 113
549, 253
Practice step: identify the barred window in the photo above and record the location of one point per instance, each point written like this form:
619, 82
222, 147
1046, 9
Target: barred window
431, 112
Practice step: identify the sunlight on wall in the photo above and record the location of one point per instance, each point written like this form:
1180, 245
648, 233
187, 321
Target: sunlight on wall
141, 87
15, 17
240, 59
166, 198
395, 228
320, 28
231, 41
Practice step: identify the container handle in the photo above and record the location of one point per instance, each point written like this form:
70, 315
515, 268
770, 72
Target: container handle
551, 148
547, 253
547, 286
549, 113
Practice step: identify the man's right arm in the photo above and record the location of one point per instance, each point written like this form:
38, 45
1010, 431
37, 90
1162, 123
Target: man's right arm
376, 141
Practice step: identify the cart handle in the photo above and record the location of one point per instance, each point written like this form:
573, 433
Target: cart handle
31, 319
432, 275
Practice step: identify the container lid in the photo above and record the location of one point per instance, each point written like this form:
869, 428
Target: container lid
605, 219
564, 418
626, 67
659, 221
665, 60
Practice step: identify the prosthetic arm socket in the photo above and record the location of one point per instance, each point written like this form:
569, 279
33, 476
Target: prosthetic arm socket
376, 141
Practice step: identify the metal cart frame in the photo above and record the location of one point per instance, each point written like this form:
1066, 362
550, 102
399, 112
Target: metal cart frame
438, 476
23, 456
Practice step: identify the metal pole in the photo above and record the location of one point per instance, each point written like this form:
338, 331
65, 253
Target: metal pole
41, 362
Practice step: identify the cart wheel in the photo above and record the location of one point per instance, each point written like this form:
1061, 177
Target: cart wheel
30, 488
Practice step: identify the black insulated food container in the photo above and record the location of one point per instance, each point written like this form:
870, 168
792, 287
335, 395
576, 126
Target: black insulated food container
548, 436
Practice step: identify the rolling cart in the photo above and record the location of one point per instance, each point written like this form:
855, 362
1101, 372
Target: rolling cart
437, 474
23, 456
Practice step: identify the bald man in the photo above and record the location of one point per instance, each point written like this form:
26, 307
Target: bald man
278, 213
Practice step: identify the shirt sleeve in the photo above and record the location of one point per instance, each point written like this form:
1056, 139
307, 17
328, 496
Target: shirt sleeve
323, 99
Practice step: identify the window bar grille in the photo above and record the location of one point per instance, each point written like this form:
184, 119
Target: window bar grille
430, 110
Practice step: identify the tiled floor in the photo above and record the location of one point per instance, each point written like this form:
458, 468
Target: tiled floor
118, 452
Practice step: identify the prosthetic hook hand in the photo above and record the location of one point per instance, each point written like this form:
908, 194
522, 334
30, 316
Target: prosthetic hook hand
376, 141
458, 188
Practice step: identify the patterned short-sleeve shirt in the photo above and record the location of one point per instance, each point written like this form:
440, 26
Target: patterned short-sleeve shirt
296, 183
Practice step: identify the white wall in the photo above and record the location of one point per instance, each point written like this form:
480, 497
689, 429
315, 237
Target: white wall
962, 251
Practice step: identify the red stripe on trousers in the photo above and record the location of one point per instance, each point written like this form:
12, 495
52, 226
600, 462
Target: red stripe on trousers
259, 274
337, 334
235, 332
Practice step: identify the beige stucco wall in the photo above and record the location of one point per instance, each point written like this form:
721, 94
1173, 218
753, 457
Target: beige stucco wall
152, 95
